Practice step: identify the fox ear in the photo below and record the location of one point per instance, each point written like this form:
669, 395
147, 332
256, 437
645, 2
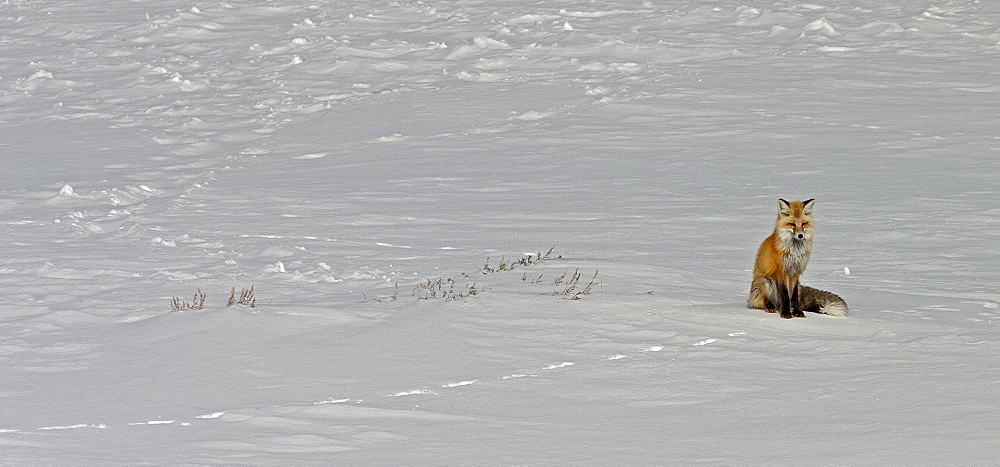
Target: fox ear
783, 207
807, 206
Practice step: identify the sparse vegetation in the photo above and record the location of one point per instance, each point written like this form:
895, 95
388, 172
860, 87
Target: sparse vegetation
571, 287
443, 288
197, 303
450, 289
528, 260
391, 298
246, 297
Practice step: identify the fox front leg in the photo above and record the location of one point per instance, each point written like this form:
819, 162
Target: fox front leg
794, 302
786, 301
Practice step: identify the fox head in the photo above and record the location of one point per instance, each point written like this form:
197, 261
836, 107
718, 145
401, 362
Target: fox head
795, 222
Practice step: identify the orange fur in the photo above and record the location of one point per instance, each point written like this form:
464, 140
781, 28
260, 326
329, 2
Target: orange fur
781, 259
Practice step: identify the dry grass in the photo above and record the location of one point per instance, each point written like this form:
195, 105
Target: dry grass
449, 289
444, 288
197, 303
391, 298
571, 288
246, 298
528, 260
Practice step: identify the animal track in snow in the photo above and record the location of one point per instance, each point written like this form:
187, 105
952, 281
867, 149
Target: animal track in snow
335, 401
561, 365
153, 422
460, 383
405, 393
532, 115
516, 376
311, 156
413, 392
73, 427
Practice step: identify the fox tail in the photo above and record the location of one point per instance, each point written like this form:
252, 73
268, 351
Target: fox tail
821, 301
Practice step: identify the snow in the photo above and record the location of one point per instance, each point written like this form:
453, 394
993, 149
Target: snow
364, 166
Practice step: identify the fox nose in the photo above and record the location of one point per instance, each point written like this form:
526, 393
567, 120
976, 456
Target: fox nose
801, 236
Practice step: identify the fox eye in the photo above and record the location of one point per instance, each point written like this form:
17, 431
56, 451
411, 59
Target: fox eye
790, 225
805, 224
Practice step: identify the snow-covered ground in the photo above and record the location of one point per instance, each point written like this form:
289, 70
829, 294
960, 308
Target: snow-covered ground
344, 157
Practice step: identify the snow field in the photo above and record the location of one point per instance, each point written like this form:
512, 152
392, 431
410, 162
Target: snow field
335, 154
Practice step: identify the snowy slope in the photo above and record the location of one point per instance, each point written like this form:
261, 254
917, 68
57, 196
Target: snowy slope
337, 156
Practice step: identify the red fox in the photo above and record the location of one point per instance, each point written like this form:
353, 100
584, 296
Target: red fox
781, 259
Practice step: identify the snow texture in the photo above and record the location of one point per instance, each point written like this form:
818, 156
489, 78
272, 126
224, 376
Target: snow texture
360, 163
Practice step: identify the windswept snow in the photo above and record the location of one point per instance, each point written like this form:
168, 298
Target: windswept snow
366, 165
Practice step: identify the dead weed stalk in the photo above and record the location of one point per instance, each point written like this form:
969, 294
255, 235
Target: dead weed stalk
197, 303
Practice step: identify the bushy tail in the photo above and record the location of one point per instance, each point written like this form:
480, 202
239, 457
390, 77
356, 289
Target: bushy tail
821, 301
